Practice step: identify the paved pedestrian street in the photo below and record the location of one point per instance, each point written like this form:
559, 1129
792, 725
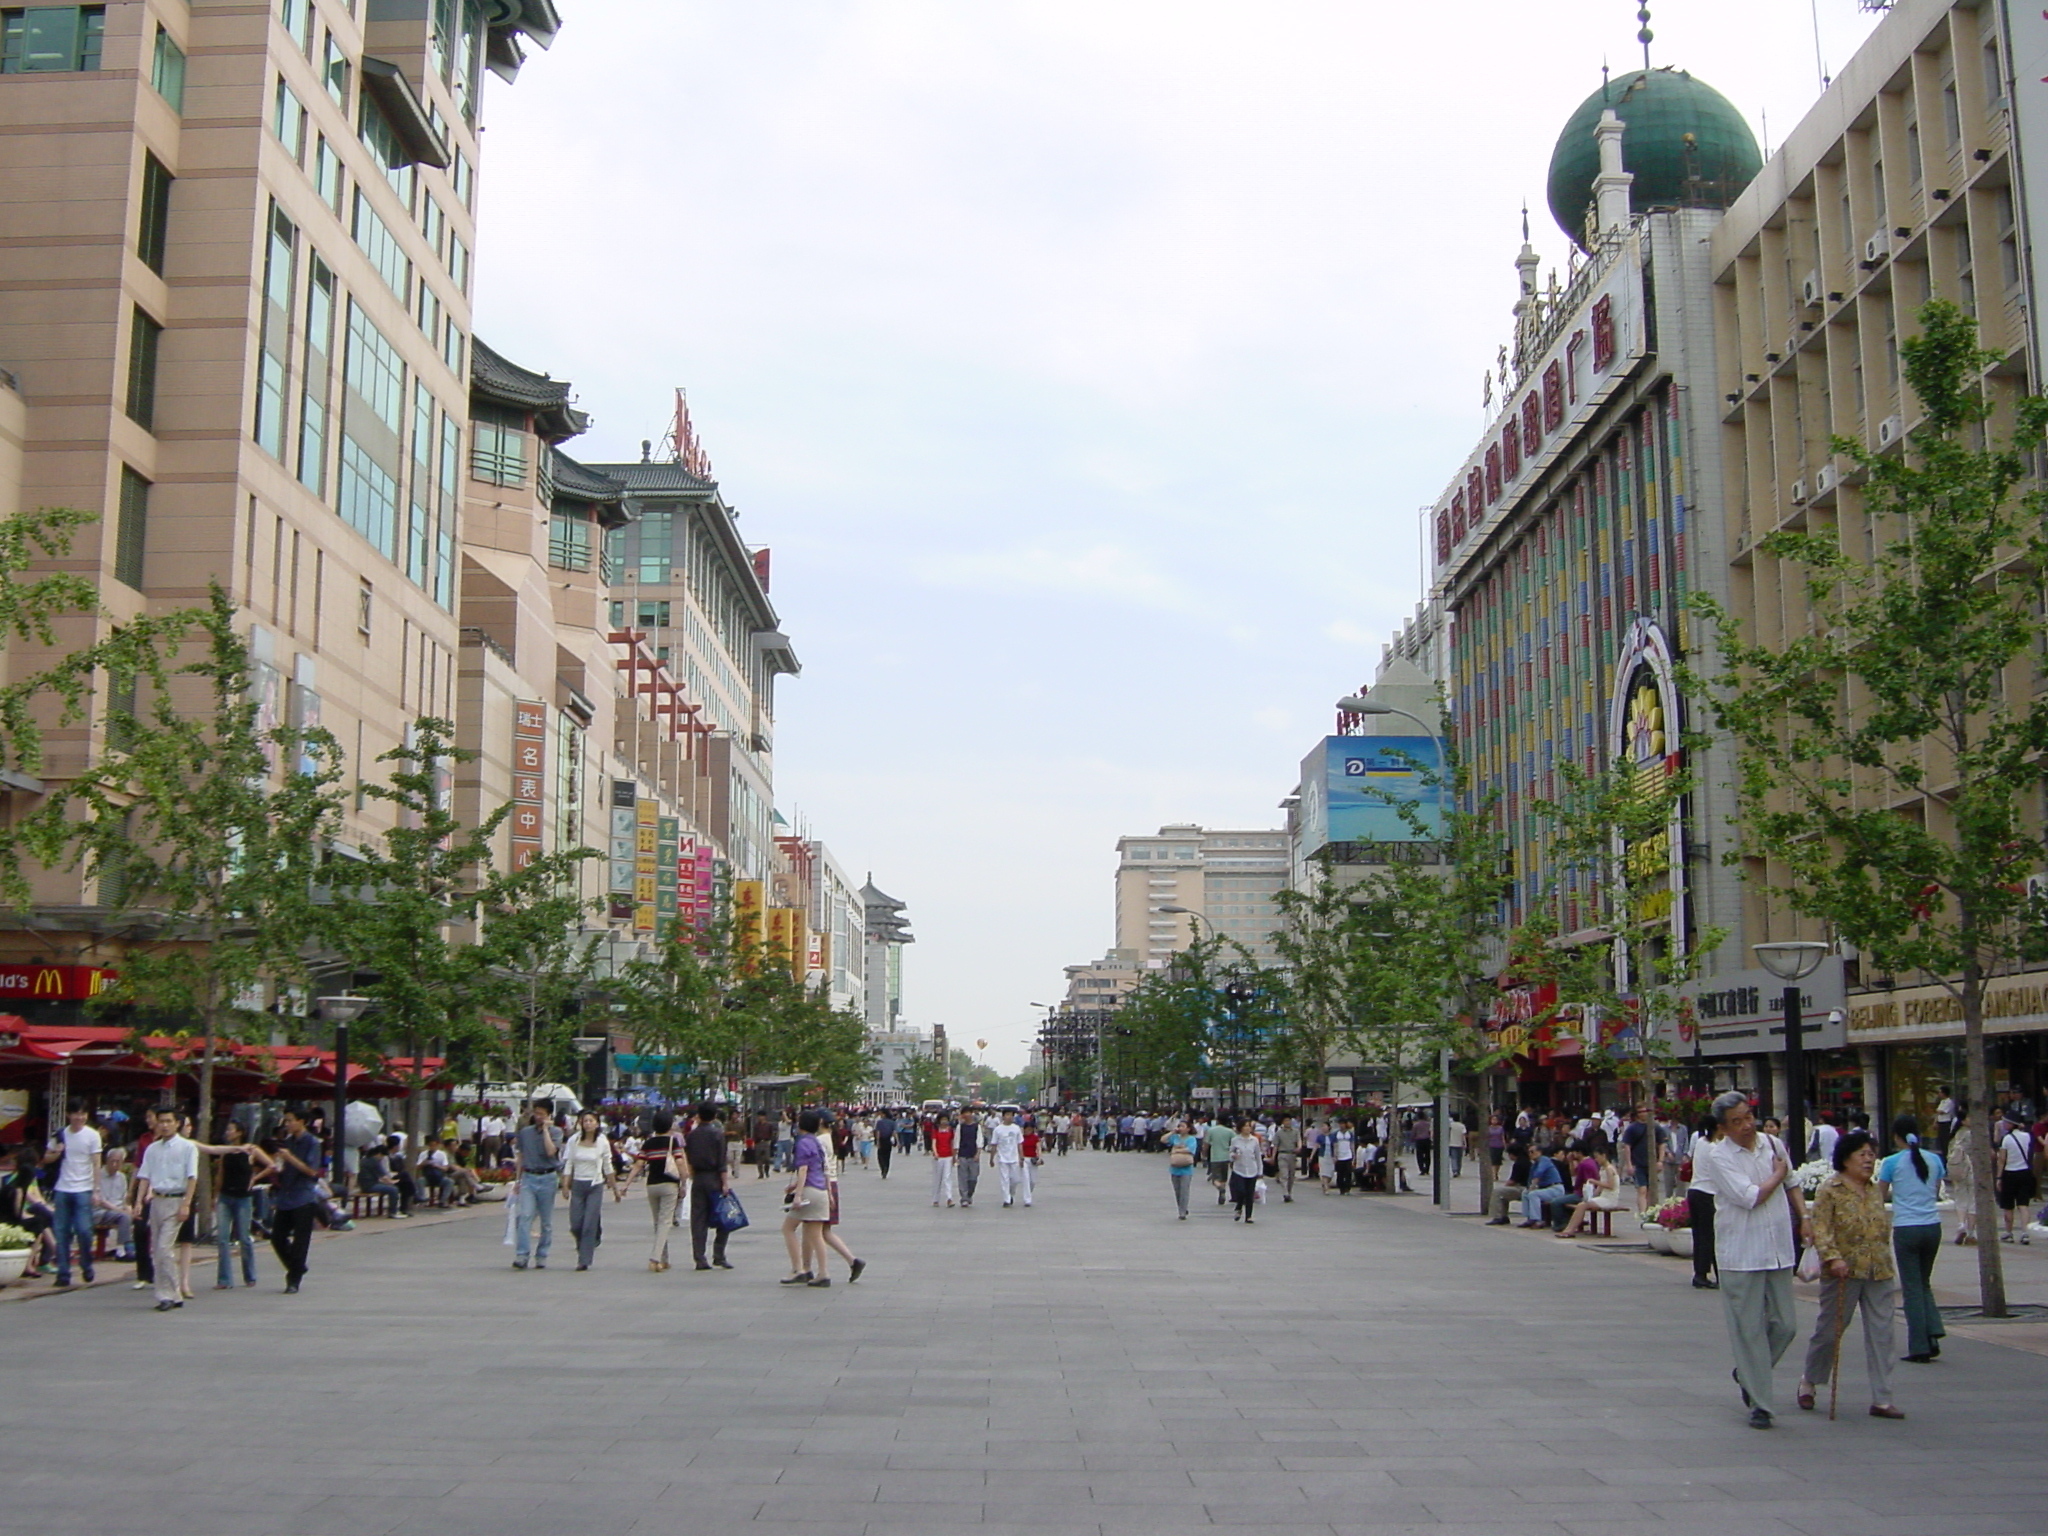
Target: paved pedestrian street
1090, 1365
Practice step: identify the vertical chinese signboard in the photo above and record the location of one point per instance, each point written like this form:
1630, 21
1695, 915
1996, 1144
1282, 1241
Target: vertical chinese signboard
624, 835
529, 779
665, 882
747, 918
646, 853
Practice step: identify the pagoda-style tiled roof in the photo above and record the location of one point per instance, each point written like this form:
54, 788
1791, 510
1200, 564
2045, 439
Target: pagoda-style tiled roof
496, 380
579, 482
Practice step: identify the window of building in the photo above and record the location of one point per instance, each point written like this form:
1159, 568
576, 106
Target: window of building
433, 223
327, 177
272, 364
297, 17
373, 414
314, 378
453, 343
153, 230
461, 178
366, 608
167, 71
390, 152
131, 528
497, 448
458, 263
618, 616
654, 615
35, 39
335, 72
657, 537
569, 540
144, 334
614, 560
288, 121
381, 246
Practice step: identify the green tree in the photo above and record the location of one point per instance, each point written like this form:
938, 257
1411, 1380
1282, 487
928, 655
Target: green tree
203, 830
30, 607
437, 935
1196, 1021
1893, 749
925, 1077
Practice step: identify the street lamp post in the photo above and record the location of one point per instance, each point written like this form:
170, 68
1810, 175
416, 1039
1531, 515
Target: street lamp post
340, 1011
1791, 961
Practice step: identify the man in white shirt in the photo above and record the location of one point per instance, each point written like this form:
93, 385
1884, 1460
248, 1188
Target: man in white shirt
1006, 1152
1755, 1213
1825, 1135
78, 1179
1944, 1120
164, 1191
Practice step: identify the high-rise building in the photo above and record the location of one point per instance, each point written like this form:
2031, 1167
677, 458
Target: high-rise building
1227, 880
682, 578
241, 243
1922, 172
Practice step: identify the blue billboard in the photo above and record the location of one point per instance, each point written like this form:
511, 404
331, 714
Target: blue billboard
1369, 778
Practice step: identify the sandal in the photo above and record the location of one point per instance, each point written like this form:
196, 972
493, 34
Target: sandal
1805, 1398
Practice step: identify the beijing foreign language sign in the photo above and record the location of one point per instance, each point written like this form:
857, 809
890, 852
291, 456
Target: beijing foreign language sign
1594, 352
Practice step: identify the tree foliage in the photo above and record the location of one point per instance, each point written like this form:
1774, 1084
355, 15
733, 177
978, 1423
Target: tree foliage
436, 933
1892, 749
202, 828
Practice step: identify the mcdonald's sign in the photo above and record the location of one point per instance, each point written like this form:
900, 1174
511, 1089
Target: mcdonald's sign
52, 983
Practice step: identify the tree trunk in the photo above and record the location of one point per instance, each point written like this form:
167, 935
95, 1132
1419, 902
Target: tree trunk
1990, 1262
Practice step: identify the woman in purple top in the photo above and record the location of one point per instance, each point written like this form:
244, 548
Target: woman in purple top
809, 1202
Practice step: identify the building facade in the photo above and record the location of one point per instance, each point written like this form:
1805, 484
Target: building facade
1228, 882
238, 313
1922, 172
885, 932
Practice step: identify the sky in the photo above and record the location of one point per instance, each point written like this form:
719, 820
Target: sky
1084, 363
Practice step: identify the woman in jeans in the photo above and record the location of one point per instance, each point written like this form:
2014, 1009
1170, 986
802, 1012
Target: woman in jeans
1913, 1176
587, 1173
1247, 1162
1183, 1150
241, 1164
657, 1155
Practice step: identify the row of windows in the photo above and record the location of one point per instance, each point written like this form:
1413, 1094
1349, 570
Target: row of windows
48, 39
402, 502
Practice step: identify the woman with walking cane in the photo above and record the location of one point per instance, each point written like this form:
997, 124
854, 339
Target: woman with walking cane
1851, 1231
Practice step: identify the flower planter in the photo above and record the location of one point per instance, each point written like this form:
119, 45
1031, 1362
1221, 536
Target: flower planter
1660, 1239
1681, 1242
12, 1262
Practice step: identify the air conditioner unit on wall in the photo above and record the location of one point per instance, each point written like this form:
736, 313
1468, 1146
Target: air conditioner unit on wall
1877, 248
2037, 887
1811, 292
1798, 493
1824, 479
1890, 430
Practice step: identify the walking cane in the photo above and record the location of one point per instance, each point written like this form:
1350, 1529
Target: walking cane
1841, 1326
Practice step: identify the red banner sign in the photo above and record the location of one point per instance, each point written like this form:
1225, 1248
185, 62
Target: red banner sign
52, 983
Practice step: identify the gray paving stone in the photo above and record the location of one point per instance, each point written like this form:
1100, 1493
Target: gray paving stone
1079, 1373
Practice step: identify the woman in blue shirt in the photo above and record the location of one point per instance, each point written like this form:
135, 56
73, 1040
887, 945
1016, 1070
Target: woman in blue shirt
1183, 1151
1913, 1176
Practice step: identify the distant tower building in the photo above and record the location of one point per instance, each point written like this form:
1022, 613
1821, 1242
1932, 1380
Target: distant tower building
888, 930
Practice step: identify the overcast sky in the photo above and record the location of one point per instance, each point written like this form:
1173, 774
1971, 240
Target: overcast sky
1083, 362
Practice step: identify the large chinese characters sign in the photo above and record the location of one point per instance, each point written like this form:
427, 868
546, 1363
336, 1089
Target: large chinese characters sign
529, 780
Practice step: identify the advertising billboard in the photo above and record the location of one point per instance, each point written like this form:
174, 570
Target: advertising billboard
1367, 779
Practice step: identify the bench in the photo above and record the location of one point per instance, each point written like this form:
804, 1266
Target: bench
370, 1205
1598, 1220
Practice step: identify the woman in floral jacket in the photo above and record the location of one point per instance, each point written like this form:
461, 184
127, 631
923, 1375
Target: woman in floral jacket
1851, 1230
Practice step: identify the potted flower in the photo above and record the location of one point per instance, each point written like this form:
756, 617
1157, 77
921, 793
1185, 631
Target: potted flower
1675, 1217
1665, 1221
16, 1244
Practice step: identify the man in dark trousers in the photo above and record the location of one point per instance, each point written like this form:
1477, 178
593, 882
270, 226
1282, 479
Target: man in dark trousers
967, 1150
885, 1140
704, 1149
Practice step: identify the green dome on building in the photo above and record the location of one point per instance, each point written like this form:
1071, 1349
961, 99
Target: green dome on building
1660, 108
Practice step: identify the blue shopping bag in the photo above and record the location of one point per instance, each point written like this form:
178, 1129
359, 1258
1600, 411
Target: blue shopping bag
727, 1214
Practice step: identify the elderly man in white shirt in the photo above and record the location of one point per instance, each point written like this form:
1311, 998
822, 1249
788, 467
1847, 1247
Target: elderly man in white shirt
164, 1191
1755, 1211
